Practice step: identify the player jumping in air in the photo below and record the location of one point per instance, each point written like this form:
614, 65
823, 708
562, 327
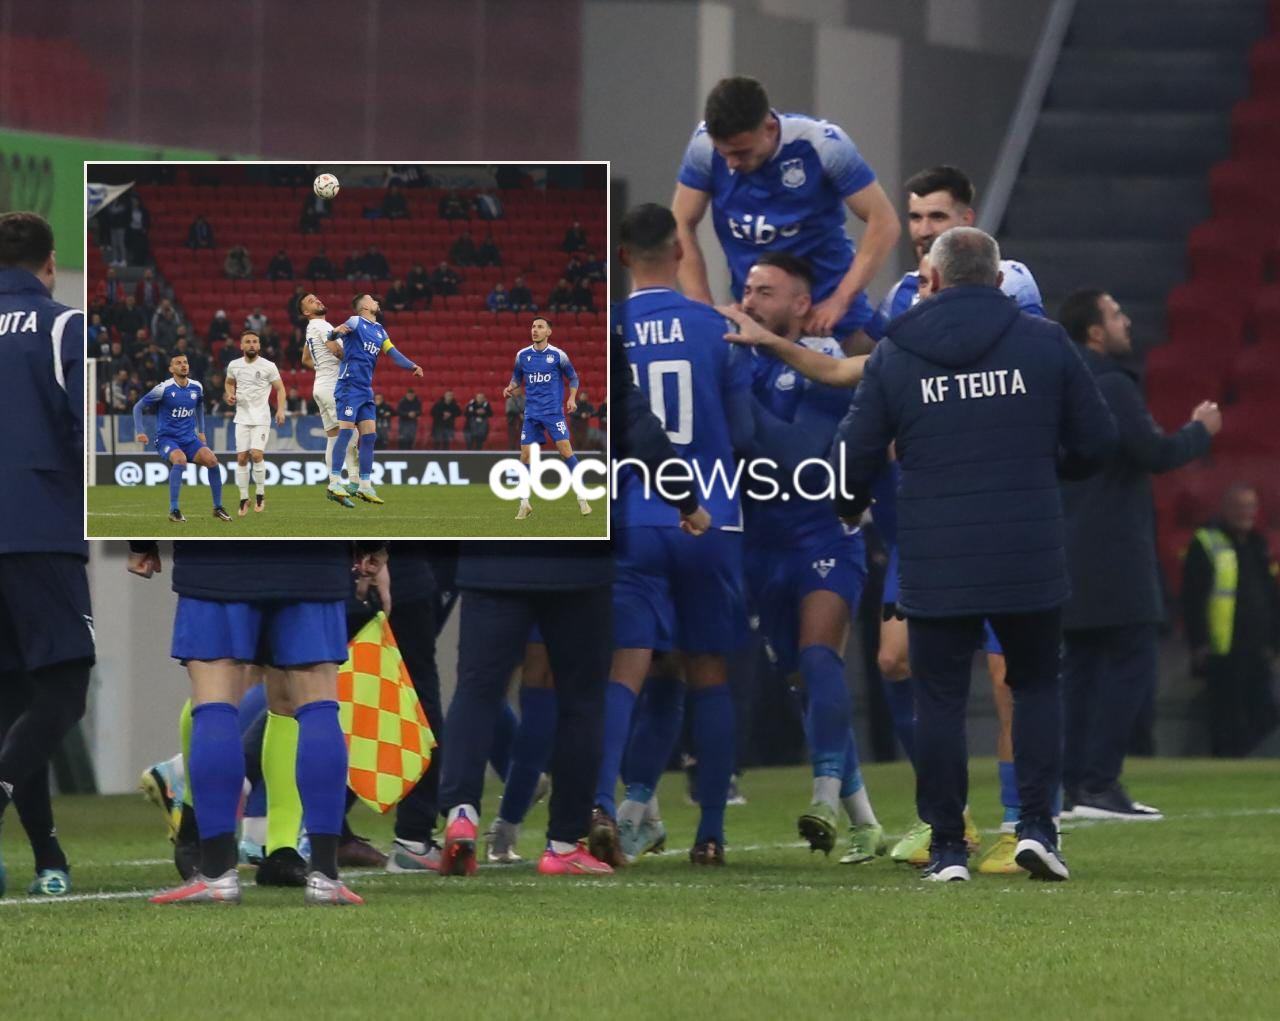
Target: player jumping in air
318, 355
353, 394
250, 379
542, 369
180, 433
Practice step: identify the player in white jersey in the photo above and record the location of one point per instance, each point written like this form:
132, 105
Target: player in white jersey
250, 380
320, 354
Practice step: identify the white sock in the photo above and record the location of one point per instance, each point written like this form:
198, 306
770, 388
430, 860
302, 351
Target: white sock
353, 459
365, 484
412, 846
560, 847
329, 443
260, 477
827, 789
857, 806
651, 811
632, 812
469, 811
242, 480
1008, 827
254, 828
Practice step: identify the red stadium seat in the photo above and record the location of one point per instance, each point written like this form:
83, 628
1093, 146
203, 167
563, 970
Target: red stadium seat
1255, 129
1228, 252
1255, 374
1265, 315
1243, 189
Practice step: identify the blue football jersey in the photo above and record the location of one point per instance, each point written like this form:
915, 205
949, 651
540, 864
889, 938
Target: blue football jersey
179, 409
360, 350
543, 374
1018, 284
794, 202
699, 387
800, 422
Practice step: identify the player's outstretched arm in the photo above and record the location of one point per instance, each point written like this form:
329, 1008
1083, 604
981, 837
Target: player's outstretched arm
689, 207
821, 368
278, 385
152, 397
395, 355
873, 207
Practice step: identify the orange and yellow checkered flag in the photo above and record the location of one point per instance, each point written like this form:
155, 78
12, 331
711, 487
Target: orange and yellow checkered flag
389, 740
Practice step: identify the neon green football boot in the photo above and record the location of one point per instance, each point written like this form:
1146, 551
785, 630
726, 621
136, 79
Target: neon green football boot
866, 844
818, 826
913, 848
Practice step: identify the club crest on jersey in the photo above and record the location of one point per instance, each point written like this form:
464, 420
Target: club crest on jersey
786, 381
551, 359
193, 395
824, 567
793, 173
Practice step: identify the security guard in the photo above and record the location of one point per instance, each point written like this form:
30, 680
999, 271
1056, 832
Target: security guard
981, 400
46, 624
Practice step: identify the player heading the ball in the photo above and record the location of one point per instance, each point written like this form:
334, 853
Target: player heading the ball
327, 364
542, 370
353, 395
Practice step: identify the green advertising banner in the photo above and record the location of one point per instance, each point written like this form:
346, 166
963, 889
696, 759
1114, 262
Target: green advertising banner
45, 174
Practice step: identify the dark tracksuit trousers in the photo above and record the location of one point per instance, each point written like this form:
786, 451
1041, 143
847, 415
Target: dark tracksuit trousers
941, 650
577, 627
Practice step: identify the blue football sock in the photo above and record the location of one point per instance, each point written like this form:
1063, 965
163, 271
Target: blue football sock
175, 484
215, 484
340, 445
216, 768
253, 705
504, 736
366, 454
902, 707
851, 776
713, 739
571, 462
1009, 792
531, 753
659, 717
619, 700
322, 767
828, 709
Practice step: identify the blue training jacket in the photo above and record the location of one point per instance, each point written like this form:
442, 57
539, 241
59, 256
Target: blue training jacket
42, 365
983, 401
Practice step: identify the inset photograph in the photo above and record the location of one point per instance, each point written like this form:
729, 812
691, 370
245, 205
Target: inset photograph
356, 350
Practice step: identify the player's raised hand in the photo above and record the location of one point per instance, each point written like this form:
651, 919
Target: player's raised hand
695, 523
822, 318
749, 331
144, 565
417, 370
141, 438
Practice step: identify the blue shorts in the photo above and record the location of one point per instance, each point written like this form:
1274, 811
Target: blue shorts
678, 591
354, 405
778, 579
166, 445
45, 616
536, 430
278, 633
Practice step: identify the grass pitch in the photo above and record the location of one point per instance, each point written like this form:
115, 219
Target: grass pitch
1175, 919
423, 512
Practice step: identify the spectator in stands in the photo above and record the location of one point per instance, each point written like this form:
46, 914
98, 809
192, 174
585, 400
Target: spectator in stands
561, 298
320, 268
139, 342
118, 396
580, 421
1231, 616
419, 281
488, 254
200, 234
297, 344
384, 414
164, 327
520, 297
409, 410
237, 265
322, 208
129, 318
153, 362
119, 361
580, 300
515, 419
293, 402
1111, 618
498, 301
398, 298
453, 208
593, 270
602, 417
219, 328
575, 239
463, 251
478, 413
353, 268
444, 416
373, 264
117, 215
270, 349
147, 293
291, 305
309, 222
256, 320
99, 335
445, 280
394, 206
227, 354
573, 270
280, 267
214, 390
110, 288
98, 306
181, 347
134, 390
139, 225
197, 357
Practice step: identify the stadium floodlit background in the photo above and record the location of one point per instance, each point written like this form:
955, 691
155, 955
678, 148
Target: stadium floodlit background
1130, 144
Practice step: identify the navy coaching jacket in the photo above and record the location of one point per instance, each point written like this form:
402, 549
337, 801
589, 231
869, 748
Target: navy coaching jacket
982, 400
42, 365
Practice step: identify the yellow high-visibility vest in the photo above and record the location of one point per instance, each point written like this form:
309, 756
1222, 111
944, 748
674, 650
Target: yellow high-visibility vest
1222, 597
